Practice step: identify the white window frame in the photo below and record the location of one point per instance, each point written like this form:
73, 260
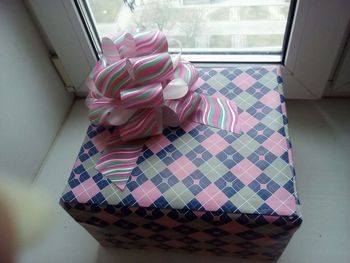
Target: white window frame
318, 33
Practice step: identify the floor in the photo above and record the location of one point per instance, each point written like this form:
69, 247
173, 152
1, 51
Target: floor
319, 131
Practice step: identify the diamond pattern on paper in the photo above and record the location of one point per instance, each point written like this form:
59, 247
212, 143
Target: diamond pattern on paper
199, 155
244, 81
196, 182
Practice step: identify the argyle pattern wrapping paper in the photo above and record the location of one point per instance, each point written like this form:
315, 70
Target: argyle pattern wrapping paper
197, 188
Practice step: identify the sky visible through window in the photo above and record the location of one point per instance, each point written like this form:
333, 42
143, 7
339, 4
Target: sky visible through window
203, 26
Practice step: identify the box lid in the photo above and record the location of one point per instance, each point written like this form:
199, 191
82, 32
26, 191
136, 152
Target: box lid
201, 168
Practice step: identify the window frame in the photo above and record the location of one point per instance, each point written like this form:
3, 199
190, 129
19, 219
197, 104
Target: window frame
307, 66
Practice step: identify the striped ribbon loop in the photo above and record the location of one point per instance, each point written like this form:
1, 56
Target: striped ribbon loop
150, 42
152, 68
118, 46
188, 73
110, 80
148, 96
177, 111
145, 123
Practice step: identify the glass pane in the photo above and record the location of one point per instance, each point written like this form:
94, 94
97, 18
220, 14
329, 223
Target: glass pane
202, 26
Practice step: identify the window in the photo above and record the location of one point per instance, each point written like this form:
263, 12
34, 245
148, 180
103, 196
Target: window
74, 37
223, 28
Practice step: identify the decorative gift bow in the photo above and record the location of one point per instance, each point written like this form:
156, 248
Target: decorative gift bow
140, 88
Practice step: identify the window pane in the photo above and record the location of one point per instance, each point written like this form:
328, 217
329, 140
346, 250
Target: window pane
202, 26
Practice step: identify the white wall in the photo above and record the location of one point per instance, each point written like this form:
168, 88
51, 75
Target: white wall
60, 21
33, 101
341, 84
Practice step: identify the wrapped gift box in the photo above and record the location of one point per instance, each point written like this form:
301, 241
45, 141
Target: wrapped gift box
198, 188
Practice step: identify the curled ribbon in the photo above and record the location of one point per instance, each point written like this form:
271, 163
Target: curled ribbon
140, 88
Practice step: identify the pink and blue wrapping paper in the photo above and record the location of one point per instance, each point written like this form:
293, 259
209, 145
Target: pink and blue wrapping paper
126, 90
197, 188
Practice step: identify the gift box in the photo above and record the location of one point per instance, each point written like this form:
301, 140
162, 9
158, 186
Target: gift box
197, 188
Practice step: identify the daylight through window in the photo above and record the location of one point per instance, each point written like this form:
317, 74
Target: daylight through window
202, 26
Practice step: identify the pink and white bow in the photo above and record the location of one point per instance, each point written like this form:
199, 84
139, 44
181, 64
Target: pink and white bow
140, 88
